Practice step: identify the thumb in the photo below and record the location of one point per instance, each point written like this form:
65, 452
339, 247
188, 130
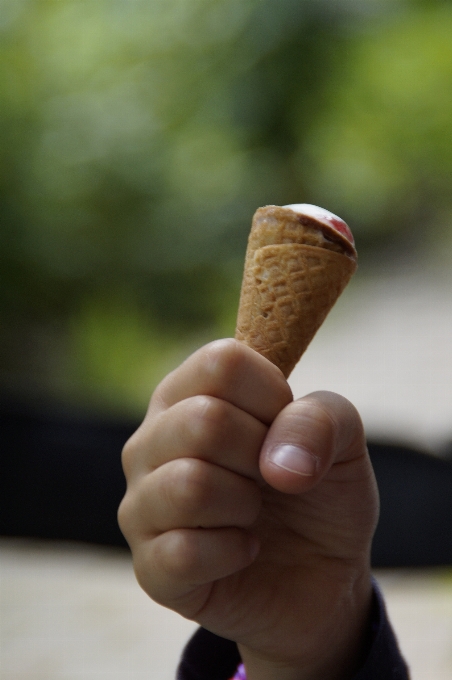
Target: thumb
307, 437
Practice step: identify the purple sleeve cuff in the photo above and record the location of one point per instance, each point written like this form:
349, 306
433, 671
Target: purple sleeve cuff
209, 657
240, 674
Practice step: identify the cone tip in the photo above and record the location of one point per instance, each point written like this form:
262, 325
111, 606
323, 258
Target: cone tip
323, 216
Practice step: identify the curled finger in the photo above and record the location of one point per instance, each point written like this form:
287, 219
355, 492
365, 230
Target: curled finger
189, 493
178, 568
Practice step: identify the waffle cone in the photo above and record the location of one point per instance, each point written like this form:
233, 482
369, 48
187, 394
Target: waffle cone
287, 289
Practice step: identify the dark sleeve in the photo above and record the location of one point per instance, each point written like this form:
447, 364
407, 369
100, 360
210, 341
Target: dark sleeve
209, 657
384, 659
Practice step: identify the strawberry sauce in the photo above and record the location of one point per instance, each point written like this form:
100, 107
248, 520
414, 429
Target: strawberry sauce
324, 217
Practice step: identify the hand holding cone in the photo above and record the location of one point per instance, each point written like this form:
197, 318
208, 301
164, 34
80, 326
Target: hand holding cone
298, 261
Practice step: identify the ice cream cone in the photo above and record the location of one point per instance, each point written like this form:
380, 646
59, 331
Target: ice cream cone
299, 260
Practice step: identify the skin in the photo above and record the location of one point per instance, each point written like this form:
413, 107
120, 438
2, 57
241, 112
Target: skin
253, 514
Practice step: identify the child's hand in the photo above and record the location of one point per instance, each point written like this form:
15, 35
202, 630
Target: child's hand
253, 514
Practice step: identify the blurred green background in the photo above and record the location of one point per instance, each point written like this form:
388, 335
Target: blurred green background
138, 137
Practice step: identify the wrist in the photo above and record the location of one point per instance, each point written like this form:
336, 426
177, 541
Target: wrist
335, 651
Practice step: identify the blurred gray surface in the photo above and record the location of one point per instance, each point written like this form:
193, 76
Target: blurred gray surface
75, 613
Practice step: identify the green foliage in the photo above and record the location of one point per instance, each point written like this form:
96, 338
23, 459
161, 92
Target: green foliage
138, 137
383, 152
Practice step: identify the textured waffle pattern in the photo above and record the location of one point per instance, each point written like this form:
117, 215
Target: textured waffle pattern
287, 291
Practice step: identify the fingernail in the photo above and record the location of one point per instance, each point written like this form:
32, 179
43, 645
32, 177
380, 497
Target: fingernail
294, 459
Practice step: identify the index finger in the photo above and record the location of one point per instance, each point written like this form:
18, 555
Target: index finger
229, 370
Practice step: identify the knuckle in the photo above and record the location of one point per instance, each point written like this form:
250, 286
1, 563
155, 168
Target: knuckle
182, 555
339, 408
129, 453
158, 396
208, 418
125, 517
314, 413
140, 448
162, 563
190, 486
344, 420
225, 358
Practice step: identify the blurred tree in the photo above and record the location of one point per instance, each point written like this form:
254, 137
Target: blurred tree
382, 153
137, 139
